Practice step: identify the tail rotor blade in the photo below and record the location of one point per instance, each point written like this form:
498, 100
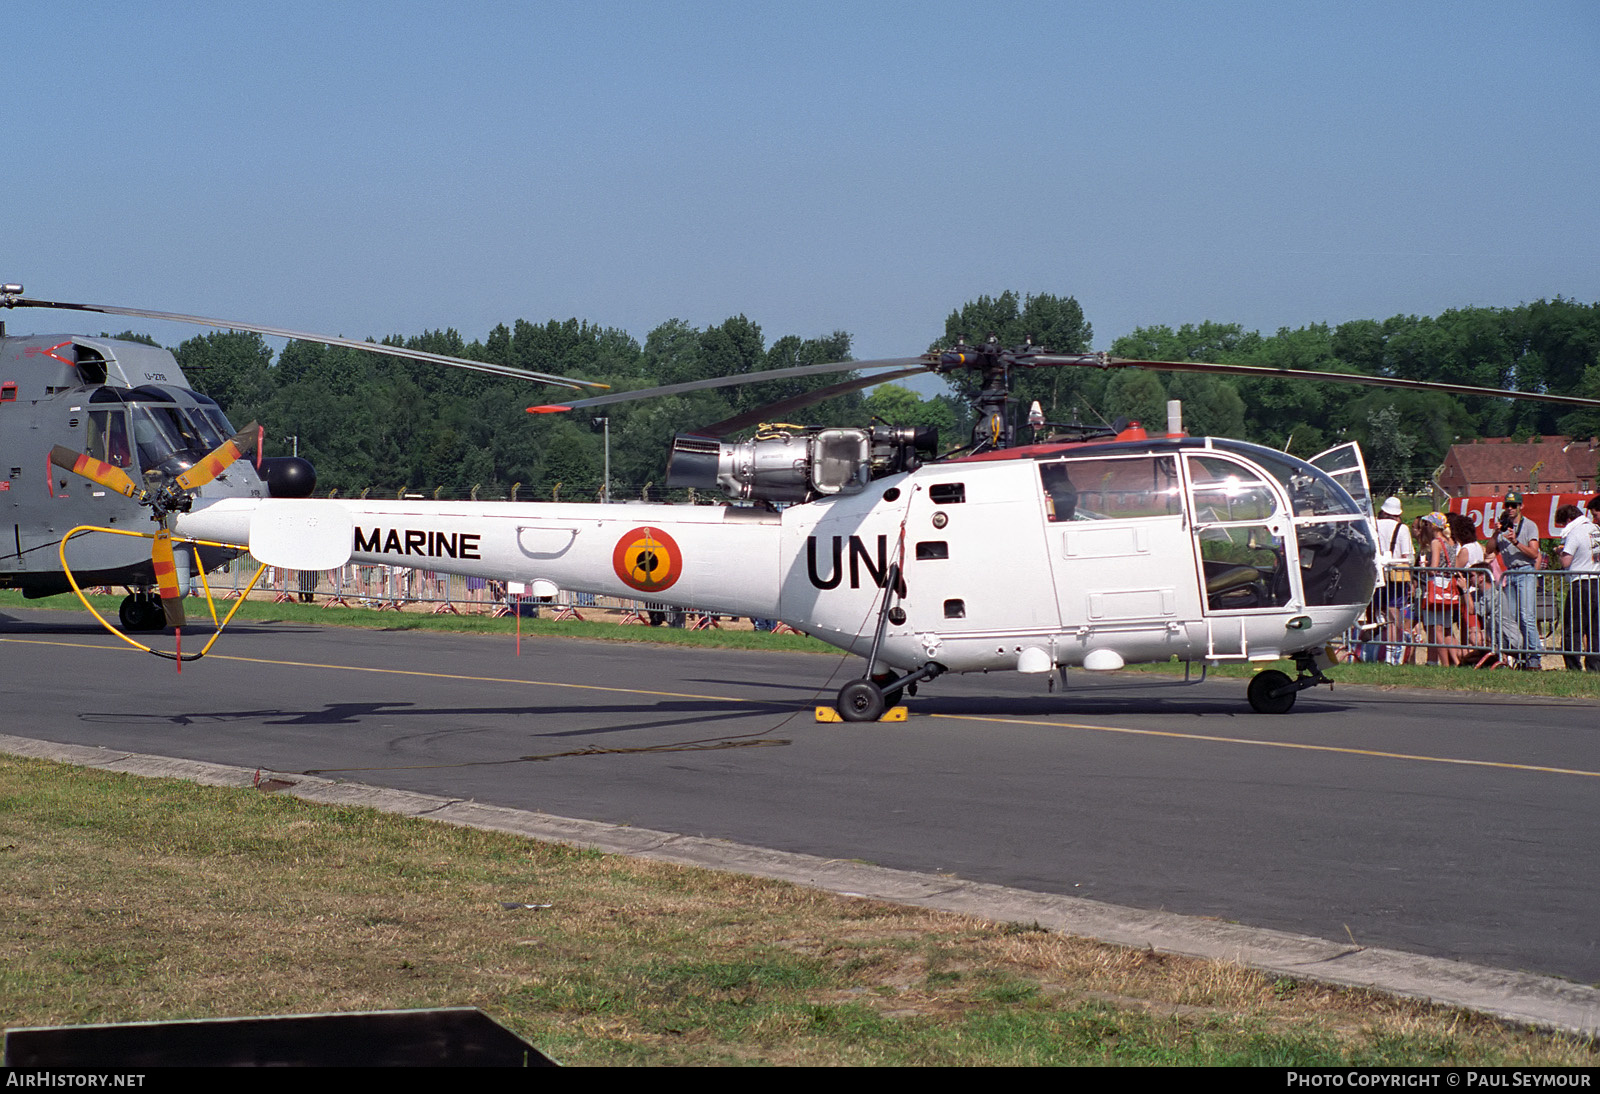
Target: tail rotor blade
108, 475
220, 458
167, 578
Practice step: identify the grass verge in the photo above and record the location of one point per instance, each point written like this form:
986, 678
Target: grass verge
130, 899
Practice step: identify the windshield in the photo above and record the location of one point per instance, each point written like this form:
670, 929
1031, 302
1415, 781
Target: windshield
210, 421
170, 428
162, 433
1312, 492
1225, 492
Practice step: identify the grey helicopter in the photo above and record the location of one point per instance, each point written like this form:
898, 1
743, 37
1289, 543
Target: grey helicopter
109, 433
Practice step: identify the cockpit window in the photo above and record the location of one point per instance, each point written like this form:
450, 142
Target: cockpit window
163, 432
1245, 568
212, 424
108, 437
1336, 561
1111, 489
1311, 492
211, 419
1226, 492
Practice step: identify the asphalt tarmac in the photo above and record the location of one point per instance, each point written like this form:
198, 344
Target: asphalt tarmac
1432, 823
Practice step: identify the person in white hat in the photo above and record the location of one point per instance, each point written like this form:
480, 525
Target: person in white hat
1394, 566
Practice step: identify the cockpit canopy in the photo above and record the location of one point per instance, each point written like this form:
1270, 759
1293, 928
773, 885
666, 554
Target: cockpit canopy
154, 428
1269, 529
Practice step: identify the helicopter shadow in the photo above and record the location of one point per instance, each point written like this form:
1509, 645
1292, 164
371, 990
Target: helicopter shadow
676, 727
825, 691
657, 715
10, 624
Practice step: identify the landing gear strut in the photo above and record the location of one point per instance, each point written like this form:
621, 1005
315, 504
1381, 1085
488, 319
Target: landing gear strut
1273, 692
866, 699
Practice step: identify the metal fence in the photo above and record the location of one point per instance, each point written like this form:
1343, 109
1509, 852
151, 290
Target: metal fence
1476, 619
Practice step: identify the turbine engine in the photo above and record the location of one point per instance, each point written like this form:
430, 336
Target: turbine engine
783, 464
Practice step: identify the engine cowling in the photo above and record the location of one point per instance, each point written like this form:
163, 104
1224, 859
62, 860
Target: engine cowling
795, 465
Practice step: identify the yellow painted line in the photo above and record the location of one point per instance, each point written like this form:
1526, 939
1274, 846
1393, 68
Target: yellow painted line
1273, 744
405, 672
70, 645
1127, 730
484, 679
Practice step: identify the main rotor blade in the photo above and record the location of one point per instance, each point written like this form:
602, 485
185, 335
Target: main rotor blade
797, 402
911, 364
326, 339
1096, 360
108, 475
167, 578
220, 458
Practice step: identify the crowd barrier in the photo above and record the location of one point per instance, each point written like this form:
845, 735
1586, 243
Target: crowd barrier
1472, 618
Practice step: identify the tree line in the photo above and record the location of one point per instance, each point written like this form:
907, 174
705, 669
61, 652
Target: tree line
390, 426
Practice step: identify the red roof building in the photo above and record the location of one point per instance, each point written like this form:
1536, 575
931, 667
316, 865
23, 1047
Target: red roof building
1494, 465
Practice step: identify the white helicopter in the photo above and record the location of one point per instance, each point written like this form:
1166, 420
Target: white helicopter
1108, 549
1093, 554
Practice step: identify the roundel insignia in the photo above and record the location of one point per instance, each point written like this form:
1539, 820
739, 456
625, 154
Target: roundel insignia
647, 559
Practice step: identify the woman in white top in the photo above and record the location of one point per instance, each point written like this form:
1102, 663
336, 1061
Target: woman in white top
1394, 587
1469, 554
1438, 616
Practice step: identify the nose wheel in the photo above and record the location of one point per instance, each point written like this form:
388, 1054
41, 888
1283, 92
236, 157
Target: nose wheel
1271, 692
1274, 692
141, 612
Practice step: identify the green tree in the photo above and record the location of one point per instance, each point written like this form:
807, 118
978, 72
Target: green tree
1387, 449
900, 406
1055, 323
233, 368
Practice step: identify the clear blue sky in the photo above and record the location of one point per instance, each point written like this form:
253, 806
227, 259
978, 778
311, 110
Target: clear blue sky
373, 168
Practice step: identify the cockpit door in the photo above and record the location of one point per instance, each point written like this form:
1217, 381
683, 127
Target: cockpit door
1344, 465
1121, 554
1242, 536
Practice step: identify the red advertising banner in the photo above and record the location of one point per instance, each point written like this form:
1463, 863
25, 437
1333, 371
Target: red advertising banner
1539, 508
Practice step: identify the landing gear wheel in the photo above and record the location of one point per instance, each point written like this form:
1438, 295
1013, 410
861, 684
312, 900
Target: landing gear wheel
1263, 687
141, 613
861, 701
890, 698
